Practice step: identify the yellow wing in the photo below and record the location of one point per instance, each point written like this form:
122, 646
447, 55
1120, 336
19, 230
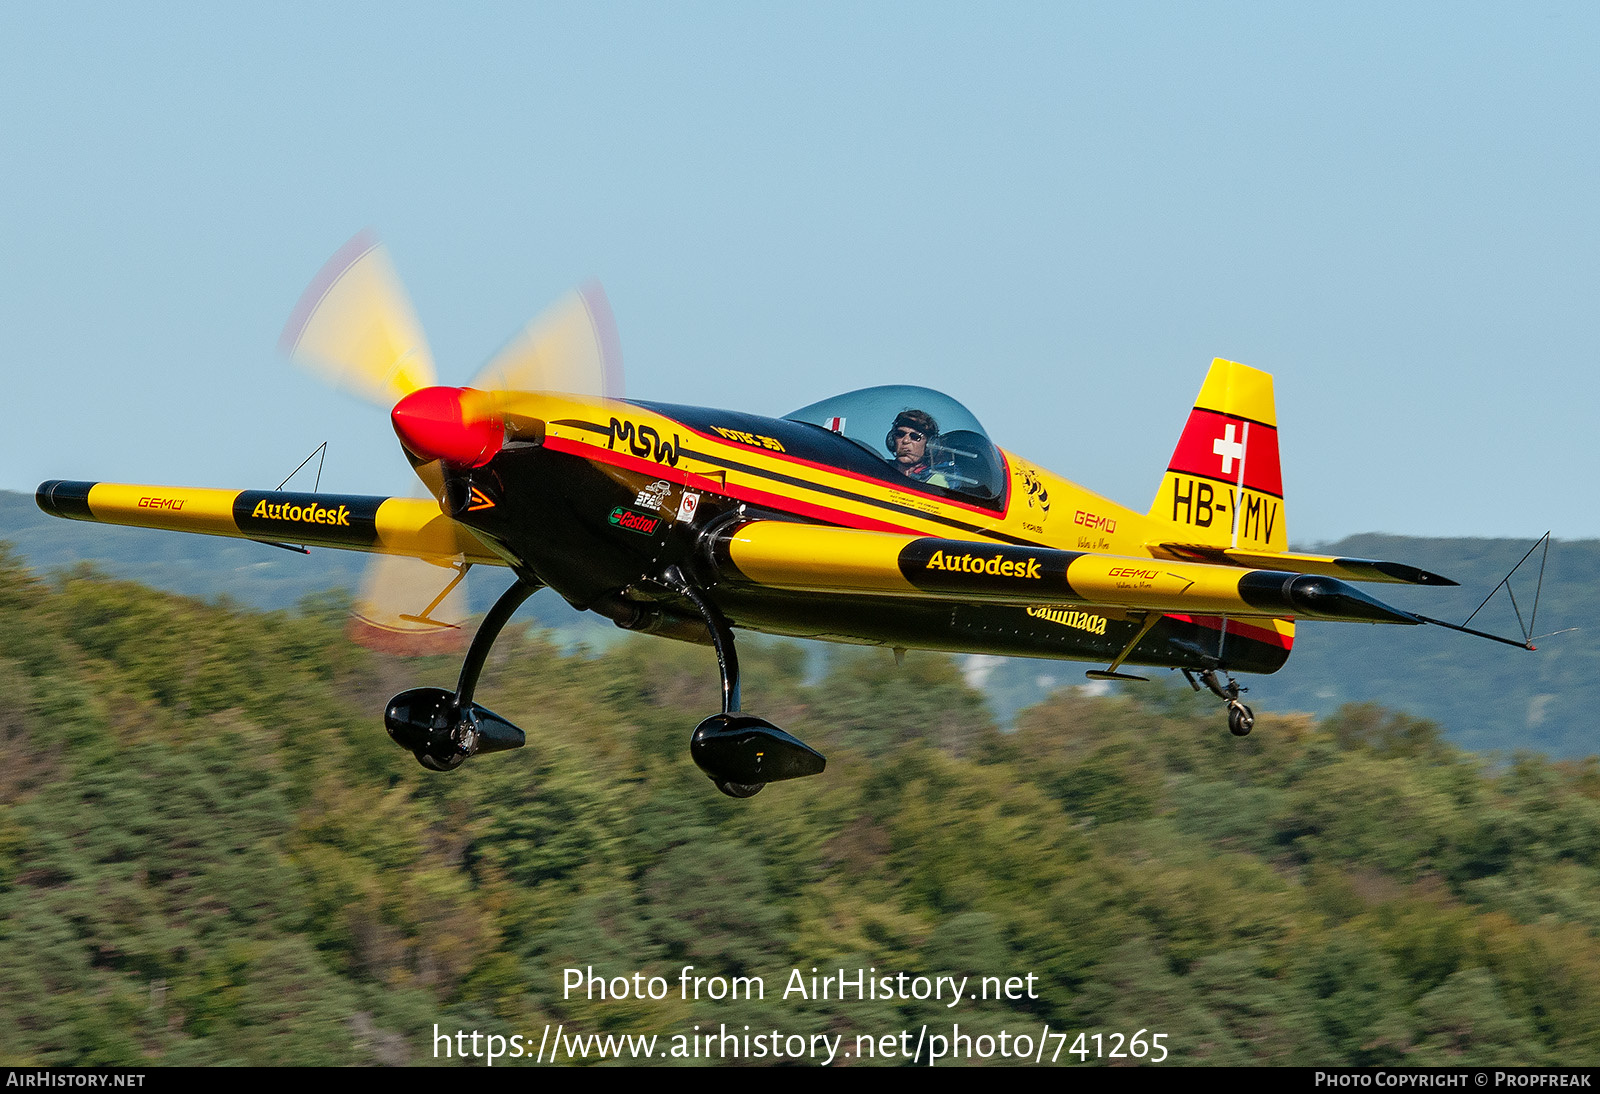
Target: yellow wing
806, 558
352, 522
411, 602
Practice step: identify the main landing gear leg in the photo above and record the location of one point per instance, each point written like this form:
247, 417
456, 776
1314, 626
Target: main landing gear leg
740, 752
444, 729
1241, 719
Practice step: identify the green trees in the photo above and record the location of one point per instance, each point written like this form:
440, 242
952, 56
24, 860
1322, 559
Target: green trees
210, 853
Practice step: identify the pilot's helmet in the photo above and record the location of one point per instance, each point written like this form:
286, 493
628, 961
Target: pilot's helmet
920, 420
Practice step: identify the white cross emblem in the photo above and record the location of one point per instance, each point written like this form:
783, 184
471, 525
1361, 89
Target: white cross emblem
1229, 449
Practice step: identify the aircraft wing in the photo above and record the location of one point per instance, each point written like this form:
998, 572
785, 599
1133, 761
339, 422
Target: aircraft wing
811, 558
1355, 569
414, 527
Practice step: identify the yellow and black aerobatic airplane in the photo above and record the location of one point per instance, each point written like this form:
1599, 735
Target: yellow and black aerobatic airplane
884, 516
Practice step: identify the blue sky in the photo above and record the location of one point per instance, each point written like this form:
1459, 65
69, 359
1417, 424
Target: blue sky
1057, 213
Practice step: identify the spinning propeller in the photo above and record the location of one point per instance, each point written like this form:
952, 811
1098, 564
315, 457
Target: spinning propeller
354, 326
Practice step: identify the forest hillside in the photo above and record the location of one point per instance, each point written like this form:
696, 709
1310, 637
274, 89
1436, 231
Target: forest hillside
210, 853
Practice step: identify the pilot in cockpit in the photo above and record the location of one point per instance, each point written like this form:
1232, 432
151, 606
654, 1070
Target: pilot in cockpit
911, 442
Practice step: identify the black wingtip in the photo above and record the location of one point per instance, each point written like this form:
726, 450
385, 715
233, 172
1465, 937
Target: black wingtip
62, 498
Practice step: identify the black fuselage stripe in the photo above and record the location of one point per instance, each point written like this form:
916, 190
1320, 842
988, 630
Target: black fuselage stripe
806, 484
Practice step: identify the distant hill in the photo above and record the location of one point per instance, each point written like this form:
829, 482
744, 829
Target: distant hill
1487, 696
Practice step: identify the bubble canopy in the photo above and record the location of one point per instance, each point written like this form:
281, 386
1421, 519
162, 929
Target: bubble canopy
962, 459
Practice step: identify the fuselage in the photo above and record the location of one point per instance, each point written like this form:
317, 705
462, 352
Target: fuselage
596, 497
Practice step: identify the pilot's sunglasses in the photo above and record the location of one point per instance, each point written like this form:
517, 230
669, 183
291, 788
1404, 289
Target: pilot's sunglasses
912, 433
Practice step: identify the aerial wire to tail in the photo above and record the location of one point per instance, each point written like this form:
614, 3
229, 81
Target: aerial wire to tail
1528, 637
322, 451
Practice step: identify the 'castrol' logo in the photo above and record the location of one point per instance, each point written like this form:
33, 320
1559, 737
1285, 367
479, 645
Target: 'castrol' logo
634, 522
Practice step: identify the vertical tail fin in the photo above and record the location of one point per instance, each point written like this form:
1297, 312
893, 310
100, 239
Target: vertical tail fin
1223, 486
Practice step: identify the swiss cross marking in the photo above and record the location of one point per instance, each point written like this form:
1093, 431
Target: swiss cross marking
1228, 448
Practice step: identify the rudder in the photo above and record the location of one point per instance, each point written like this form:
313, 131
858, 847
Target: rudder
1224, 486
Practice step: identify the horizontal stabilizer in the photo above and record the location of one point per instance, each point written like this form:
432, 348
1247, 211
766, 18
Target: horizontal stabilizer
1352, 569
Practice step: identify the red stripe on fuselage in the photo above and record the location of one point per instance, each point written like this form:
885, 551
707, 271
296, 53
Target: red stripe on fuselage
780, 502
1251, 631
